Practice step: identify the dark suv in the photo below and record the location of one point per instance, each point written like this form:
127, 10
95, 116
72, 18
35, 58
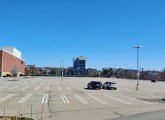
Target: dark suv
94, 85
153, 80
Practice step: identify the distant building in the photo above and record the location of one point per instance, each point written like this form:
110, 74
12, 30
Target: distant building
79, 65
30, 69
92, 72
11, 61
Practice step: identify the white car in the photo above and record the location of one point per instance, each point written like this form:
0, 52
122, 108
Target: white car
110, 85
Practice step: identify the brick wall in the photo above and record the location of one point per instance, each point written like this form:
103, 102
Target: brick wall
0, 61
10, 61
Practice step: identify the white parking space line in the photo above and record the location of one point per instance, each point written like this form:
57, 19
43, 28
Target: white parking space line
6, 83
65, 99
59, 88
24, 88
97, 99
25, 98
13, 87
48, 87
4, 87
36, 88
141, 96
78, 88
80, 99
45, 99
119, 100
149, 103
6, 98
16, 83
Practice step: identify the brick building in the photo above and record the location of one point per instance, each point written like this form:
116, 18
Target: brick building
10, 61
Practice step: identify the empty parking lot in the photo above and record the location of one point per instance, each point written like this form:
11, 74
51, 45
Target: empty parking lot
54, 98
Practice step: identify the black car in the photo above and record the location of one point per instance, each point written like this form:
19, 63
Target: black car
153, 80
94, 85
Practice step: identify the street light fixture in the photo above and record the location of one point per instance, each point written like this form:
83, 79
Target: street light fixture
62, 72
138, 73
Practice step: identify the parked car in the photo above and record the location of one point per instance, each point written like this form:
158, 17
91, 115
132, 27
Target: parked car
153, 80
110, 85
94, 85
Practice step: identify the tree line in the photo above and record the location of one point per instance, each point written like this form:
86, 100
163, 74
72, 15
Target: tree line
132, 74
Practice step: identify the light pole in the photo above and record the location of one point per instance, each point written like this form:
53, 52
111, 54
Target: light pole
138, 73
2, 66
62, 73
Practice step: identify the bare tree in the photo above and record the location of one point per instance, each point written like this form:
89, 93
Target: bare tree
15, 71
163, 75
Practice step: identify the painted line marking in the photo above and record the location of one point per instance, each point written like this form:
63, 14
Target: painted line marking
3, 87
116, 99
48, 87
6, 98
6, 83
45, 98
16, 83
141, 96
97, 99
80, 99
78, 88
25, 98
24, 83
13, 87
25, 88
149, 103
36, 88
64, 98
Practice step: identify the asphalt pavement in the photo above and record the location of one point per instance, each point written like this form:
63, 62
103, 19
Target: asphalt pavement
156, 115
54, 98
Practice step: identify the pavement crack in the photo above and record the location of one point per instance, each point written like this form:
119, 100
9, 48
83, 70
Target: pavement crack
120, 115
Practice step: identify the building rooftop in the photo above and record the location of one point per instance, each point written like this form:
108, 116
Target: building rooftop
80, 58
13, 51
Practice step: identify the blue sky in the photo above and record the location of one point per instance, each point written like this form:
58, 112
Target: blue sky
105, 31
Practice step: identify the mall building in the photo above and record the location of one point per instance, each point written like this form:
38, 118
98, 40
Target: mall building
11, 62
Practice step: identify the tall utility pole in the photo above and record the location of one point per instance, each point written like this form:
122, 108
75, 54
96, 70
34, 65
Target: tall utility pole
138, 73
62, 72
31, 111
2, 67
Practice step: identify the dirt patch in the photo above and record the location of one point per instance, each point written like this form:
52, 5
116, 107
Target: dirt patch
153, 100
12, 80
14, 118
